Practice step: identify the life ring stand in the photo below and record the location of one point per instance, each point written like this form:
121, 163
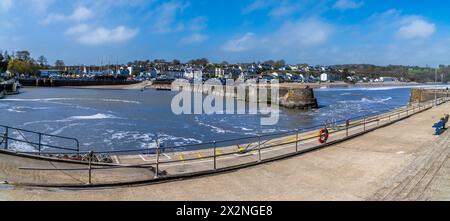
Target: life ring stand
323, 135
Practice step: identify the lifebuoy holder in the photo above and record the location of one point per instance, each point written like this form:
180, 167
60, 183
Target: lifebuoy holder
323, 135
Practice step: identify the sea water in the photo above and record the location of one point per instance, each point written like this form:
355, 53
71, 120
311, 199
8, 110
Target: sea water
131, 119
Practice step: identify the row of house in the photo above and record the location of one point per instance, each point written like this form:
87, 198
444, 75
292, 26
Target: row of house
293, 73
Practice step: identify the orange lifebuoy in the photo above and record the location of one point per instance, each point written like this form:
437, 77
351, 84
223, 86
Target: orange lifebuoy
323, 135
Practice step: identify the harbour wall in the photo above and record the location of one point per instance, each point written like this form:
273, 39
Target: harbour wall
288, 97
419, 95
48, 82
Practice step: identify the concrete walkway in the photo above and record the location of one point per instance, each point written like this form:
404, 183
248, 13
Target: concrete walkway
403, 161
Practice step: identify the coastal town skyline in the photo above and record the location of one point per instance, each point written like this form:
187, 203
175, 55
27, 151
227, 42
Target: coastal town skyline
325, 32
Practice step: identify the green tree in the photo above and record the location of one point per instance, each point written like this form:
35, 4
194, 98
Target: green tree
16, 67
3, 63
176, 62
199, 62
23, 55
279, 64
42, 61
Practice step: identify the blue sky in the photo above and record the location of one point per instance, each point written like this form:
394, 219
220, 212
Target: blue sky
408, 32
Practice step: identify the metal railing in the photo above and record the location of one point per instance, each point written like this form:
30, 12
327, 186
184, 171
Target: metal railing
260, 149
38, 143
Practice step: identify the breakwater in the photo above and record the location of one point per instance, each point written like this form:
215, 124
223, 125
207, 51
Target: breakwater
419, 95
288, 97
49, 82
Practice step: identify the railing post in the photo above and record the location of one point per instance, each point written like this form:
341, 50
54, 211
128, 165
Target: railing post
91, 155
78, 148
296, 140
364, 124
259, 147
157, 157
40, 143
347, 124
215, 155
6, 137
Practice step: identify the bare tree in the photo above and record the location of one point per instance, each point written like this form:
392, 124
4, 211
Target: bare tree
59, 64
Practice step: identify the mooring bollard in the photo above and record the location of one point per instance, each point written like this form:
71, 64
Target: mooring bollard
296, 141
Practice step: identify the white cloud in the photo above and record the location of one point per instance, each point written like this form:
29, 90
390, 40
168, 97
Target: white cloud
39, 6
303, 33
167, 19
257, 5
5, 5
292, 36
95, 36
80, 13
194, 39
416, 29
241, 43
284, 10
83, 28
197, 24
166, 15
394, 23
278, 8
348, 4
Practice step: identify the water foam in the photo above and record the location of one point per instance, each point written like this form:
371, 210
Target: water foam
99, 116
366, 100
70, 99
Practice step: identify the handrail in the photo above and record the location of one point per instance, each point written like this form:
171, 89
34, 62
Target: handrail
34, 132
40, 135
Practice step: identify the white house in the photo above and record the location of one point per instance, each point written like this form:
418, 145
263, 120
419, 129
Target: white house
388, 79
324, 77
130, 70
219, 72
191, 73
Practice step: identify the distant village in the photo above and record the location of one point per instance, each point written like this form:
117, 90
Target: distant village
171, 71
21, 65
